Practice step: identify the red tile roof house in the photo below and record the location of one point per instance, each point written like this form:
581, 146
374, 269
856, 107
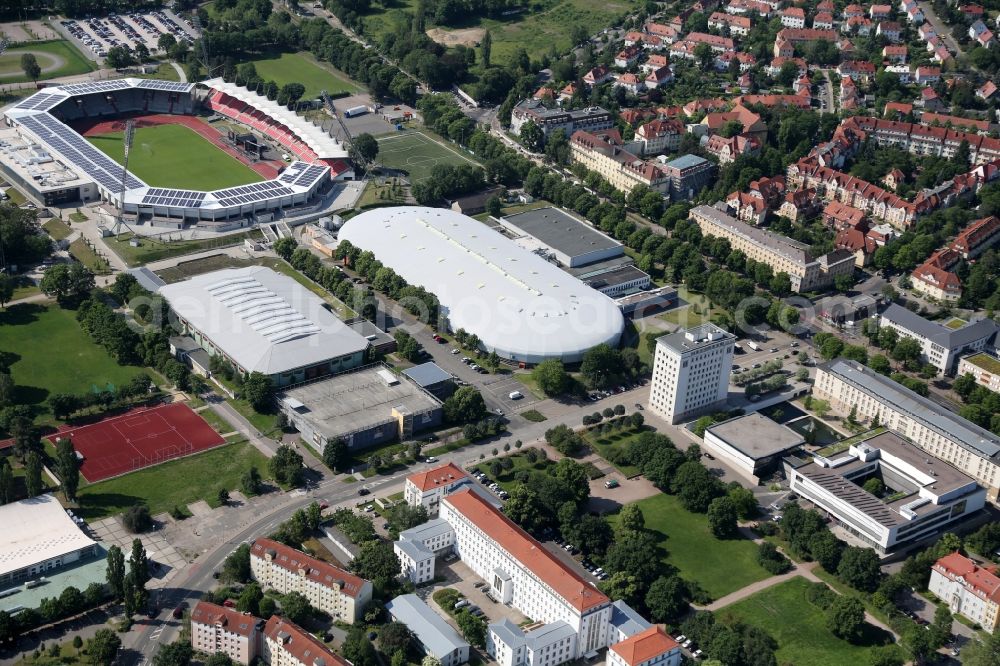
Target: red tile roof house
426, 488
654, 62
895, 53
977, 237
793, 17
987, 90
972, 11
221, 629
879, 11
928, 75
934, 278
857, 70
823, 21
660, 136
597, 76
890, 30
627, 56
630, 82
840, 216
652, 647
897, 110
969, 590
747, 208
288, 644
728, 150
979, 126
857, 242
659, 77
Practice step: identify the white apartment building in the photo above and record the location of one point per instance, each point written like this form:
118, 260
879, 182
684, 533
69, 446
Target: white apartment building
925, 496
288, 644
520, 572
938, 431
220, 629
652, 647
691, 372
941, 346
969, 590
418, 546
428, 487
984, 367
340, 594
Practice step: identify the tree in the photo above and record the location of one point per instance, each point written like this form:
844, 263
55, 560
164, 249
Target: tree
564, 440
532, 136
859, 568
982, 651
551, 377
874, 486
376, 562
473, 628
68, 468
296, 607
136, 519
286, 466
486, 49
722, 518
358, 650
222, 496
494, 206
219, 659
846, 618
525, 508
466, 405
6, 482
178, 653
139, 564
403, 516
33, 474
115, 572
6, 289
67, 283
631, 518
667, 599
826, 549
335, 453
695, 487
236, 567
258, 391
394, 637
743, 501
364, 147
30, 66
624, 586
285, 247
249, 601
103, 647
250, 483
600, 365
166, 42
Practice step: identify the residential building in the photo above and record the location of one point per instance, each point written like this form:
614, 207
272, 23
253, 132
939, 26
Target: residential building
521, 573
691, 372
782, 254
628, 56
977, 237
752, 444
729, 150
984, 367
220, 629
417, 547
660, 136
590, 119
924, 496
604, 152
848, 385
652, 647
935, 278
941, 346
969, 589
338, 593
428, 487
288, 644
431, 632
793, 17
737, 25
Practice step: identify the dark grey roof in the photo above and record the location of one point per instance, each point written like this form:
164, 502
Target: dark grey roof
617, 276
147, 279
626, 620
756, 436
946, 423
561, 231
946, 337
686, 162
427, 374
436, 635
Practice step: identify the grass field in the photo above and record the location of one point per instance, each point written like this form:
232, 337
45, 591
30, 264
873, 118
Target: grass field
32, 331
150, 250
158, 487
176, 156
719, 566
619, 440
305, 69
57, 58
800, 627
57, 229
416, 154
86, 255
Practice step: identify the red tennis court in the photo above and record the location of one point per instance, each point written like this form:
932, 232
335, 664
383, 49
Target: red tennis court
141, 438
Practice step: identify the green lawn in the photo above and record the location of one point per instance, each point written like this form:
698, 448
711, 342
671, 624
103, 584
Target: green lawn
416, 153
800, 627
615, 441
156, 250
506, 478
177, 156
88, 257
173, 483
266, 424
57, 228
31, 332
719, 566
305, 69
57, 58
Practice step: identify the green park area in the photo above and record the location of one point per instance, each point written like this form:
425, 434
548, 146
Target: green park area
719, 566
55, 58
606, 444
30, 332
177, 156
416, 154
305, 69
799, 627
175, 483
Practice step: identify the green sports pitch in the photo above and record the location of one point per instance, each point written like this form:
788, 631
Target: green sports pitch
177, 156
415, 154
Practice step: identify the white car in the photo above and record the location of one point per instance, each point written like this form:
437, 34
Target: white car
515, 395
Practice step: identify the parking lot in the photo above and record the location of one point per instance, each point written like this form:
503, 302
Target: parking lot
460, 577
95, 36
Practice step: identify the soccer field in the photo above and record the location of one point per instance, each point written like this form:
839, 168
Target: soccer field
416, 154
176, 156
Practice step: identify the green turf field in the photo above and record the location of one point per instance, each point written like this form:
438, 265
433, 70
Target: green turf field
416, 154
800, 627
30, 332
305, 69
720, 566
176, 156
56, 58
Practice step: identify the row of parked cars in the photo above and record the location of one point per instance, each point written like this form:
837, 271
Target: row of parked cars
492, 485
594, 396
689, 645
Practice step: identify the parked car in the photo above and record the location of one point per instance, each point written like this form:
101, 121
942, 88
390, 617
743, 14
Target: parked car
363, 491
611, 483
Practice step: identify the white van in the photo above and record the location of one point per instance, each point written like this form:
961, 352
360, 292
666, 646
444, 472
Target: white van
515, 395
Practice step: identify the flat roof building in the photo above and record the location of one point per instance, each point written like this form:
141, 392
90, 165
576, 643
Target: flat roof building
435, 635
519, 305
691, 371
432, 378
984, 367
38, 536
571, 241
924, 497
365, 407
262, 321
941, 346
752, 444
938, 431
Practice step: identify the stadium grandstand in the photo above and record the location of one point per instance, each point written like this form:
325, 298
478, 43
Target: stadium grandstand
42, 154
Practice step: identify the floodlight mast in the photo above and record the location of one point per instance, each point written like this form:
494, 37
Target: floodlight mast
127, 138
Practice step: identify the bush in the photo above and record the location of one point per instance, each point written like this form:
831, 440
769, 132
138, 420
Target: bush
820, 595
771, 559
136, 519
